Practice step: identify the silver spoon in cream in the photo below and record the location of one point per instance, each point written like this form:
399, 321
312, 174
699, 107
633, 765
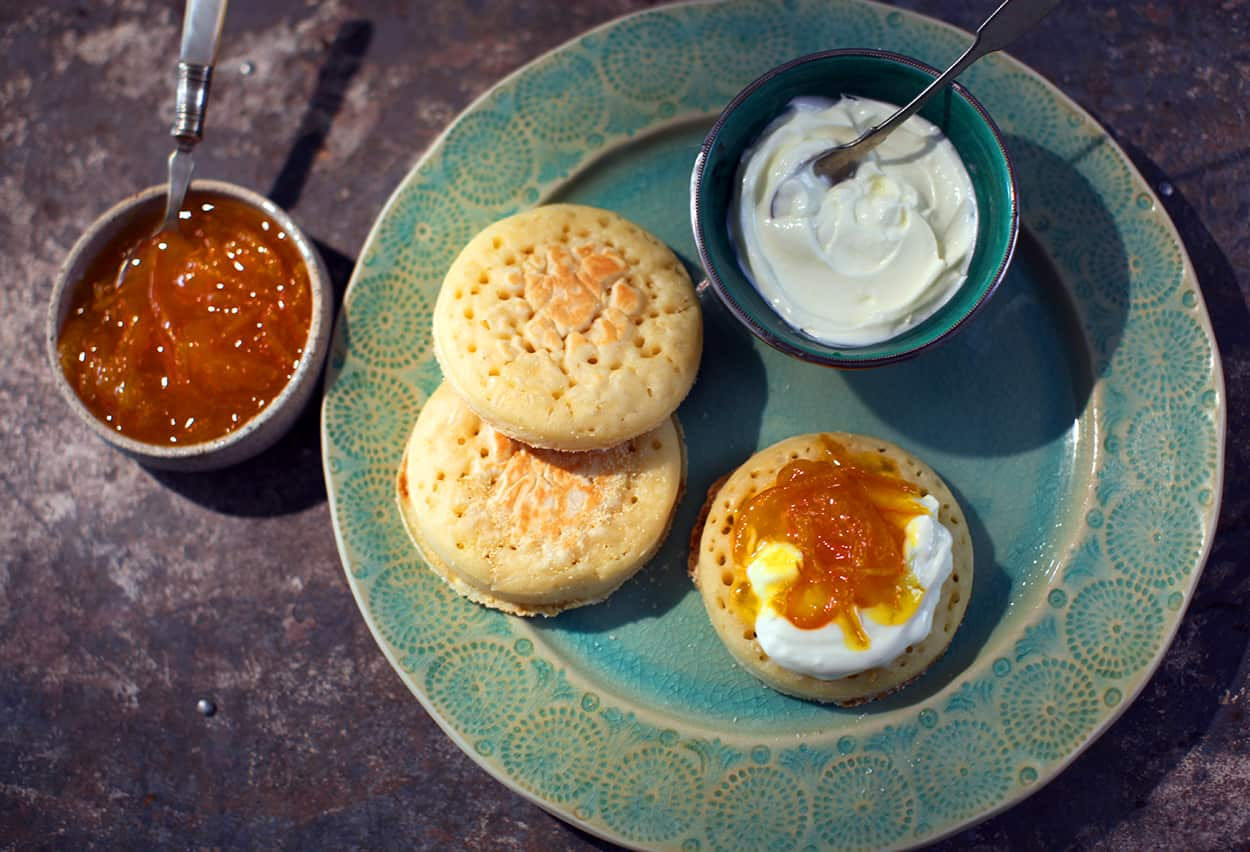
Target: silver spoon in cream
1007, 23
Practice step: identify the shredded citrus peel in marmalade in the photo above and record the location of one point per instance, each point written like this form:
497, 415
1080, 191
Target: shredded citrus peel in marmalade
847, 516
202, 333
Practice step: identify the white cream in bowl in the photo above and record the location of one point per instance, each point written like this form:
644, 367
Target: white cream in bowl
868, 258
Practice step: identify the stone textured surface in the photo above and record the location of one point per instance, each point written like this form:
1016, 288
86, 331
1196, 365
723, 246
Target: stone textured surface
127, 595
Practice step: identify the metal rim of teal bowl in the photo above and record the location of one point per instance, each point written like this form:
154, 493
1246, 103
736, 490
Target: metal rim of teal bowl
996, 196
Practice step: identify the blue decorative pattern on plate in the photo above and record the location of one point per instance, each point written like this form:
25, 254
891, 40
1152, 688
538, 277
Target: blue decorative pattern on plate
1080, 421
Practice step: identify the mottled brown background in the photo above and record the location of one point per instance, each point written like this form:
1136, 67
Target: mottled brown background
126, 595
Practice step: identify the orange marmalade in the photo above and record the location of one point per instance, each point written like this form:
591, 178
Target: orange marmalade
206, 327
847, 515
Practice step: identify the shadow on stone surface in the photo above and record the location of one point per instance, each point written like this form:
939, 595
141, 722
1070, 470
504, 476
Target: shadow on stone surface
1190, 706
587, 838
342, 61
340, 267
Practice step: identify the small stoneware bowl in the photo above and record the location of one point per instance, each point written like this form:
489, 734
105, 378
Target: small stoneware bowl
266, 427
881, 76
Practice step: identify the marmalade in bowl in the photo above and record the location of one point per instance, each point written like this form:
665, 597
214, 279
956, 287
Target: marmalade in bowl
201, 333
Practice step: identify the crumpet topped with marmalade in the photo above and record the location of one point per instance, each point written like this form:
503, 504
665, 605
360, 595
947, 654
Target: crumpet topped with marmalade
834, 567
568, 327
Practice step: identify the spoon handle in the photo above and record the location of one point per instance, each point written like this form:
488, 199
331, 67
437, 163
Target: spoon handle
201, 25
1011, 19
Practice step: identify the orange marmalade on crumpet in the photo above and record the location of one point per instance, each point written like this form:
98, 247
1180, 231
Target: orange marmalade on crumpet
846, 515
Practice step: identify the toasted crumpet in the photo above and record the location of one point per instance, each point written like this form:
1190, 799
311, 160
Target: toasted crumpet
532, 531
713, 571
568, 327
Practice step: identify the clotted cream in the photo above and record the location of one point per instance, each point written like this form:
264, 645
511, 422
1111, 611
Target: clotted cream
870, 257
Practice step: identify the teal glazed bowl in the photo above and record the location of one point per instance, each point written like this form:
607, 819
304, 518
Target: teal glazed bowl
881, 76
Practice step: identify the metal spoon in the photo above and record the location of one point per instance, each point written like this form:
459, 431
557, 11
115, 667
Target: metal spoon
1005, 25
201, 26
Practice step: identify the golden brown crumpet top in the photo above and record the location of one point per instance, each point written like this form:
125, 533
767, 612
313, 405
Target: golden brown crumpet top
568, 327
530, 530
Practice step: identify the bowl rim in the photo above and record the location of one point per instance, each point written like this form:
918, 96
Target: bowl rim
723, 292
310, 363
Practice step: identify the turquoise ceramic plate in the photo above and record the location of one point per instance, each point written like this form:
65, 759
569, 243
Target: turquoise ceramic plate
1080, 420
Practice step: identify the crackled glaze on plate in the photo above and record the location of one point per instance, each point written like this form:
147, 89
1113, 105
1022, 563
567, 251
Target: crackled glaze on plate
1080, 420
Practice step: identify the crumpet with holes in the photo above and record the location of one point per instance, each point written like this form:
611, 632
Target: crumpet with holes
568, 327
716, 575
533, 531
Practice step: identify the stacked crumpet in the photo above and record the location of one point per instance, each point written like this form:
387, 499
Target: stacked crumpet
546, 469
